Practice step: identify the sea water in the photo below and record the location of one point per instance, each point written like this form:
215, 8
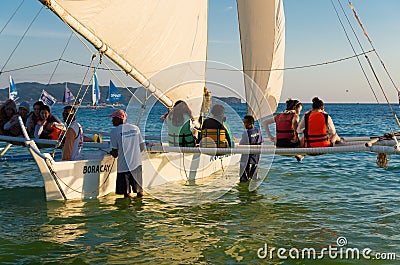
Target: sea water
343, 201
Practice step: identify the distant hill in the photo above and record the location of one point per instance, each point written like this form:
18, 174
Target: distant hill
30, 91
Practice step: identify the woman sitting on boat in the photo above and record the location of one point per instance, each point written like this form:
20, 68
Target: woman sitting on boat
286, 125
12, 127
7, 110
49, 126
215, 132
180, 124
318, 127
33, 118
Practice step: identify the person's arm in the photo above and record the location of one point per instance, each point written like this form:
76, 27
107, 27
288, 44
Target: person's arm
266, 124
39, 129
114, 143
68, 144
301, 126
13, 121
331, 127
295, 124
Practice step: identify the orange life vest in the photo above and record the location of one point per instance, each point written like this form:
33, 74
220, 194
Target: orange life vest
55, 133
316, 129
284, 126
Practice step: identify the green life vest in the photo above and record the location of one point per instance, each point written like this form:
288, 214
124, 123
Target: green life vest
180, 135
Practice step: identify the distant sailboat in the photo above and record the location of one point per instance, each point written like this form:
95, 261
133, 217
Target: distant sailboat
12, 90
114, 97
95, 91
68, 96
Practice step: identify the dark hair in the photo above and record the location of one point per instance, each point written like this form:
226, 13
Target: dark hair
317, 103
249, 118
69, 107
297, 104
218, 110
289, 104
45, 107
39, 103
178, 111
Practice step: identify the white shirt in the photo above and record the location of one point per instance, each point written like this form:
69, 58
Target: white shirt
126, 138
78, 143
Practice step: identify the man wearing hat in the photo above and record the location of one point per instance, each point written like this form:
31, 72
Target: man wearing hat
127, 144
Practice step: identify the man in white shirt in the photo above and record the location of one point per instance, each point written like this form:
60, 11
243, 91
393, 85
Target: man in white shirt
127, 144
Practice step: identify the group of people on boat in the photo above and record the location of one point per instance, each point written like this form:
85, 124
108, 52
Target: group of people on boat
316, 126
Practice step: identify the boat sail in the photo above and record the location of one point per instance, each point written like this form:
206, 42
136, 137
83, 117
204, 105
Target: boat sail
113, 95
172, 67
12, 90
68, 96
95, 91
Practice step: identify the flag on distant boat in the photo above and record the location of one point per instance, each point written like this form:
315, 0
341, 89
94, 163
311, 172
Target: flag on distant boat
68, 96
47, 99
12, 90
95, 91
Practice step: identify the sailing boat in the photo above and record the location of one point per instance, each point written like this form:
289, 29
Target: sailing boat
12, 90
95, 91
180, 39
114, 97
68, 96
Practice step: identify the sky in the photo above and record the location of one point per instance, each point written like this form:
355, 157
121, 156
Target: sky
313, 35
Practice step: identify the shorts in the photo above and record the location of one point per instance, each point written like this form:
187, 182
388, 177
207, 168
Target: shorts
129, 182
287, 143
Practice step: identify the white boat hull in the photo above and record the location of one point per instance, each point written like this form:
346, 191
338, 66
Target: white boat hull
96, 176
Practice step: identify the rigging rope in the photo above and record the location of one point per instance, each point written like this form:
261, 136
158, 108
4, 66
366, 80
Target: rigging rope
368, 60
62, 53
20, 40
12, 16
370, 41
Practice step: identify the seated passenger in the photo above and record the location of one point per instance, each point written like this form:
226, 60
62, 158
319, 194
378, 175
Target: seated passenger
286, 125
7, 110
49, 126
215, 132
12, 127
33, 118
180, 125
318, 127
73, 137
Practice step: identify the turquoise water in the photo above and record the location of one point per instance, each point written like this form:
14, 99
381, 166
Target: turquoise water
298, 205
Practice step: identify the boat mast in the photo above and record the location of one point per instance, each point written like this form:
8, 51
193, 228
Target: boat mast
103, 48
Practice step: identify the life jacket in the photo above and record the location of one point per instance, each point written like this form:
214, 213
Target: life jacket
54, 133
214, 138
180, 135
284, 126
316, 129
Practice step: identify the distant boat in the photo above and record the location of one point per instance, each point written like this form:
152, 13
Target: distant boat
114, 97
12, 90
95, 91
68, 96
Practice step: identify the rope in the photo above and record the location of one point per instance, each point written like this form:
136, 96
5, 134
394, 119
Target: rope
368, 60
20, 40
62, 53
119, 79
78, 191
294, 67
369, 40
29, 66
12, 16
62, 136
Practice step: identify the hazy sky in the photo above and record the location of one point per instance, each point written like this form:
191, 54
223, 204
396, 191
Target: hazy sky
313, 35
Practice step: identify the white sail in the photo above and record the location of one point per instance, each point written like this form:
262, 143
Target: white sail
262, 35
152, 36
